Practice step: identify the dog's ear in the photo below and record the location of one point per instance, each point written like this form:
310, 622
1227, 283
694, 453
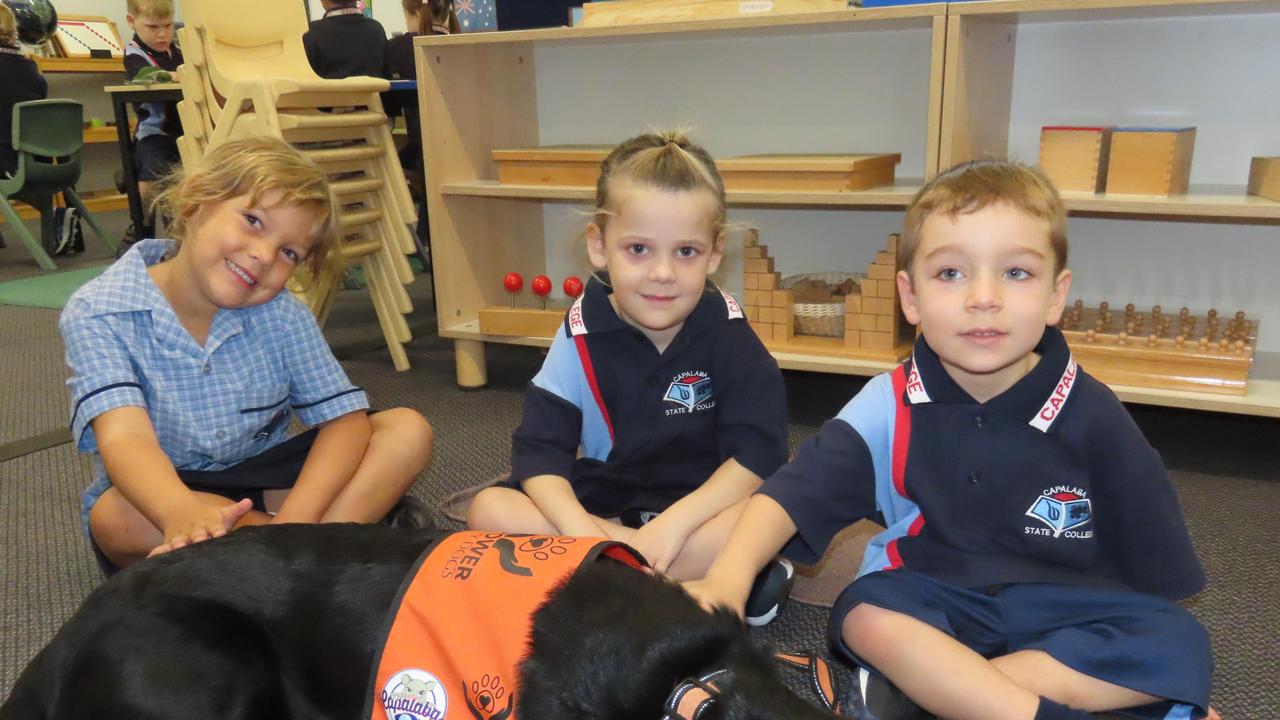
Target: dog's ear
612, 643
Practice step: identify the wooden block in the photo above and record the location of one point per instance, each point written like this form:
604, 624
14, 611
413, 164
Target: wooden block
752, 312
633, 12
860, 321
781, 299
1150, 161
852, 338
852, 304
1075, 158
880, 272
780, 332
573, 165
884, 257
751, 237
750, 281
878, 306
1264, 178
769, 281
520, 322
757, 265
885, 323
778, 315
892, 246
877, 340
808, 173
764, 330
757, 251
752, 297
882, 288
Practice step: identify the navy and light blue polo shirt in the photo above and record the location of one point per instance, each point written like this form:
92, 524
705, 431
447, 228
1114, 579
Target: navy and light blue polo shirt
651, 427
211, 406
1049, 482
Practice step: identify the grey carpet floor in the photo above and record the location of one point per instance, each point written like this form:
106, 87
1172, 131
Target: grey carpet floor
1227, 470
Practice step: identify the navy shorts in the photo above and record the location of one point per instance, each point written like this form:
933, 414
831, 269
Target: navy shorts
1122, 637
154, 156
274, 469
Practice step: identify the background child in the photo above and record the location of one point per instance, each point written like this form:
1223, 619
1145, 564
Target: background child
344, 43
677, 407
188, 365
1034, 541
156, 151
22, 82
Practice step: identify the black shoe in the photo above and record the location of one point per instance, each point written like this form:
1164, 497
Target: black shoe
66, 222
129, 240
769, 592
873, 697
409, 513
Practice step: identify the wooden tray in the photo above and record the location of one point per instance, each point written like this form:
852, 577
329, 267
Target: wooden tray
574, 165
808, 173
636, 12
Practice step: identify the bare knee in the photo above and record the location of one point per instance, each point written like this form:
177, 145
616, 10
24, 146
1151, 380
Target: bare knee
870, 629
406, 428
489, 508
1031, 669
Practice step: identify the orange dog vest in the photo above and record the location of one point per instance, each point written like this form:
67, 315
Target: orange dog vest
462, 625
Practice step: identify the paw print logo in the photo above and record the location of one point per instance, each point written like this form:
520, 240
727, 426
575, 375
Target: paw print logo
543, 547
485, 696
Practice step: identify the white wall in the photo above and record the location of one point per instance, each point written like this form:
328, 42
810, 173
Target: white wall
387, 12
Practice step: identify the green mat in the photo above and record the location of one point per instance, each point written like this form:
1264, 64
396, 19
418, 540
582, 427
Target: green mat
51, 290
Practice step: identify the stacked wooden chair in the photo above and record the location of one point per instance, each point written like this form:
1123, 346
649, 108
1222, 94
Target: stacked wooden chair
249, 79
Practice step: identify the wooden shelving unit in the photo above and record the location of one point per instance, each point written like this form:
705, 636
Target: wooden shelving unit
79, 65
485, 91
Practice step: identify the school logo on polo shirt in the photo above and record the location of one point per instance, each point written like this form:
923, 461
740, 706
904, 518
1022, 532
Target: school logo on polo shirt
1063, 509
689, 392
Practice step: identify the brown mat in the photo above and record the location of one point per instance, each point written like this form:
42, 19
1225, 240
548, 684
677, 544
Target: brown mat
822, 583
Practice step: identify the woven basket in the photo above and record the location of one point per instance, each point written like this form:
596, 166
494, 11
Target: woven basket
823, 319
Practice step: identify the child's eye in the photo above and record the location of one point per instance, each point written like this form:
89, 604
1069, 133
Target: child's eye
290, 255
1017, 274
637, 249
253, 220
687, 252
949, 274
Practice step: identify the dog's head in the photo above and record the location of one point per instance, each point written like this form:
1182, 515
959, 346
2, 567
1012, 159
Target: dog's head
613, 643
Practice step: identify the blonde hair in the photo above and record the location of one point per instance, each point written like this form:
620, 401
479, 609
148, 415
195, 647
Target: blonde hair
253, 167
159, 9
664, 160
972, 186
8, 27
432, 14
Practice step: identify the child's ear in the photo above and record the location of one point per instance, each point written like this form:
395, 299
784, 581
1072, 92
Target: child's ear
717, 253
908, 295
1061, 290
595, 247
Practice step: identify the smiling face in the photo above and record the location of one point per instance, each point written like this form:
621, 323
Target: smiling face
982, 287
658, 247
240, 253
155, 32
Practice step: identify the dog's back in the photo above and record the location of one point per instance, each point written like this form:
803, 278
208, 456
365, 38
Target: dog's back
267, 622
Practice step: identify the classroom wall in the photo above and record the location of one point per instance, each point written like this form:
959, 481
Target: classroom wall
387, 12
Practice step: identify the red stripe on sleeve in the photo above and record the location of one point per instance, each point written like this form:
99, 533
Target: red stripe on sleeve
589, 369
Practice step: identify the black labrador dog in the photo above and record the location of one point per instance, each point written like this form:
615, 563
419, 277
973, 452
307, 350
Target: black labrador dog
284, 622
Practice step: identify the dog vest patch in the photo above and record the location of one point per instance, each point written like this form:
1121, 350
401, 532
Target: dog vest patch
462, 625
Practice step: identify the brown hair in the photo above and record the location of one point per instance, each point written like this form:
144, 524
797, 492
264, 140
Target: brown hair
977, 184
253, 167
159, 9
8, 28
433, 16
664, 160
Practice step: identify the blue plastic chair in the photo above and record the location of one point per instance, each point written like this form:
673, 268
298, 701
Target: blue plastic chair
47, 136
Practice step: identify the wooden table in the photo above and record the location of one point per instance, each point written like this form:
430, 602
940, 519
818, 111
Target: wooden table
121, 97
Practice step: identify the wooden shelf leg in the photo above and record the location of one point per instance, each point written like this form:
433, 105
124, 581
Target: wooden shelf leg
470, 367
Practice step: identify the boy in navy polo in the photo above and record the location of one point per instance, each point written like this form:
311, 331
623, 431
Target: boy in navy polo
677, 409
1034, 543
344, 43
153, 45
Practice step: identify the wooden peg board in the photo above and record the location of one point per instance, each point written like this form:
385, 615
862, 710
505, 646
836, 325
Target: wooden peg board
1157, 348
521, 321
78, 36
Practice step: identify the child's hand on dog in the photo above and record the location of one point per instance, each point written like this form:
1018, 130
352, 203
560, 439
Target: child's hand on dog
659, 542
712, 593
198, 522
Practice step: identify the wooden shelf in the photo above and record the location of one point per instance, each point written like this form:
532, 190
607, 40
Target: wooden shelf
105, 134
78, 65
1078, 10
893, 197
855, 18
104, 200
1205, 201
1263, 398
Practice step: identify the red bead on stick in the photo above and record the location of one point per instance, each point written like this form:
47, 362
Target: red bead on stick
541, 285
573, 286
513, 282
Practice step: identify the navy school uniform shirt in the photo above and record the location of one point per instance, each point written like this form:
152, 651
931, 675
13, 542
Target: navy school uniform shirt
345, 43
1049, 482
22, 82
154, 118
651, 427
